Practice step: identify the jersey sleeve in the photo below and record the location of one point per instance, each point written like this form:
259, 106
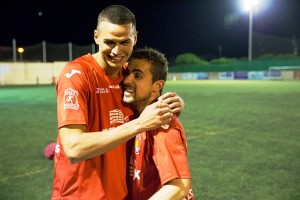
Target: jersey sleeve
170, 154
72, 95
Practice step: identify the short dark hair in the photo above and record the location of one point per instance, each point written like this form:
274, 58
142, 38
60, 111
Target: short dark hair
159, 63
117, 14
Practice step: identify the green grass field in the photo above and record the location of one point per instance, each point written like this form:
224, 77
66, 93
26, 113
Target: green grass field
243, 139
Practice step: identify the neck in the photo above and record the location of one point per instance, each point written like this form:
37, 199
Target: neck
142, 105
110, 71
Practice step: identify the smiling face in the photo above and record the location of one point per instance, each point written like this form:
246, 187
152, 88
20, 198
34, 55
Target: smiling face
139, 88
116, 43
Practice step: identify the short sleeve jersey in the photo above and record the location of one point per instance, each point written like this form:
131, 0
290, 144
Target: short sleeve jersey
158, 156
85, 95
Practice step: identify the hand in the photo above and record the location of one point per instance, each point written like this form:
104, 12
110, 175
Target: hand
154, 116
175, 102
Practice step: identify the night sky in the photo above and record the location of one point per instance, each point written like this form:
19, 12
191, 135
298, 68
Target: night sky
173, 27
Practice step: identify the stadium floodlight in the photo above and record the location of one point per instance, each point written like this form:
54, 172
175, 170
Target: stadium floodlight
21, 51
250, 6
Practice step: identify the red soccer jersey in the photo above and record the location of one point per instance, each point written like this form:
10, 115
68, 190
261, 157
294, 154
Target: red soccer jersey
158, 156
85, 95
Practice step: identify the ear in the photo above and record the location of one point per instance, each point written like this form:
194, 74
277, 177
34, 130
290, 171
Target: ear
135, 39
96, 36
158, 85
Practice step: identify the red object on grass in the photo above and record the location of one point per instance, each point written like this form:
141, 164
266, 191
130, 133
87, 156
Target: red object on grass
50, 150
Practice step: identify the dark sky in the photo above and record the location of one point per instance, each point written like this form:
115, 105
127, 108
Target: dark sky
174, 27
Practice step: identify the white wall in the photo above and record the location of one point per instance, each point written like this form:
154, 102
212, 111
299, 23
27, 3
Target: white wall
12, 73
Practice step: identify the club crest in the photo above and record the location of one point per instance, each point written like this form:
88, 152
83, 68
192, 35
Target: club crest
71, 100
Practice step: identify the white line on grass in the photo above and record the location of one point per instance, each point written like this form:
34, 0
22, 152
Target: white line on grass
24, 175
211, 133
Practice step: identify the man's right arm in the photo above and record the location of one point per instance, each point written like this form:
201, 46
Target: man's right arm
175, 102
80, 145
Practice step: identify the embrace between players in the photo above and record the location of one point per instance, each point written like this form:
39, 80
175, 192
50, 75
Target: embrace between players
115, 145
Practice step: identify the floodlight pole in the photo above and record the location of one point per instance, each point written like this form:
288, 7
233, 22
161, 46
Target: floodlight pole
250, 35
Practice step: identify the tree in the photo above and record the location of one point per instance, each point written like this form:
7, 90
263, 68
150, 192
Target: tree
189, 58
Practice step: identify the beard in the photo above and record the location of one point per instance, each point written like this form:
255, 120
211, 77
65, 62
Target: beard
138, 102
128, 97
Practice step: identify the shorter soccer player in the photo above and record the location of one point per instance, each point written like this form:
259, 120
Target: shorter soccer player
158, 163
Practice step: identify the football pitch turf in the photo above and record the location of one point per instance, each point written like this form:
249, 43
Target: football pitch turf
243, 139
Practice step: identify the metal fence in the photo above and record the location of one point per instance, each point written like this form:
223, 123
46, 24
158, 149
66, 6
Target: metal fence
268, 44
50, 52
44, 52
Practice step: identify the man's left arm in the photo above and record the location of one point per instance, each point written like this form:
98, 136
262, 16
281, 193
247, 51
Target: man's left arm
170, 157
173, 190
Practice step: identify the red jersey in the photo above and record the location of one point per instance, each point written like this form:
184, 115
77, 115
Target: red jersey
85, 95
158, 156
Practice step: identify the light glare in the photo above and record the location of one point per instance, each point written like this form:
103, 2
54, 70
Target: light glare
249, 5
20, 50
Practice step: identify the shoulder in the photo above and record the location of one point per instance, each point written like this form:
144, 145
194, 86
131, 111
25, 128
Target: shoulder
174, 126
80, 62
75, 72
82, 65
173, 132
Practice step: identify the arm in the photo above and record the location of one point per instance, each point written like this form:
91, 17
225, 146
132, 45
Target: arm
175, 102
173, 190
170, 158
80, 145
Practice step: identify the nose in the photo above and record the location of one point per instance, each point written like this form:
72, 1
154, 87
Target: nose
116, 50
128, 79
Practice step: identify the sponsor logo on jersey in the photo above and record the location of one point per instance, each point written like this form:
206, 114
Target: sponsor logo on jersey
115, 86
137, 144
71, 100
57, 148
135, 173
102, 90
116, 116
73, 71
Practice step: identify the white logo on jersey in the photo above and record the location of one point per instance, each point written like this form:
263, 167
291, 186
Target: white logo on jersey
102, 90
165, 126
71, 100
73, 71
115, 86
57, 148
137, 174
116, 116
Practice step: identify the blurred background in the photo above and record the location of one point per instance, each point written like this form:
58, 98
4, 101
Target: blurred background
235, 63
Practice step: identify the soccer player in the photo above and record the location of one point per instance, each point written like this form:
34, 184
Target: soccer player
158, 163
93, 122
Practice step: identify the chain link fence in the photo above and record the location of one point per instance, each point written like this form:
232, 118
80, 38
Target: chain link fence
44, 52
267, 44
50, 52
